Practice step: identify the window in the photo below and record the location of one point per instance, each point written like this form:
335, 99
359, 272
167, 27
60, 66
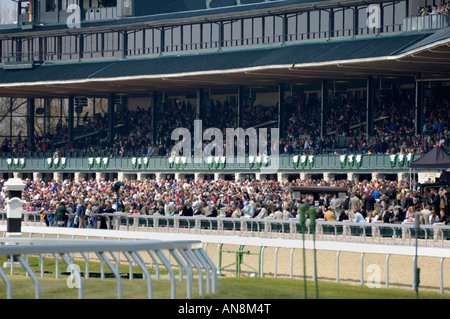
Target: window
50, 5
107, 3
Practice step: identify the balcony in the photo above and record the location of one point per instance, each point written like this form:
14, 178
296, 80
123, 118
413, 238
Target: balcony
424, 23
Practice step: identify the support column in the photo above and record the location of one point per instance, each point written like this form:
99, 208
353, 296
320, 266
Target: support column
158, 177
200, 104
30, 122
331, 24
100, 176
327, 177
37, 177
281, 111
281, 177
218, 176
353, 177
240, 107
152, 117
324, 109
199, 177
369, 106
79, 177
260, 177
355, 20
402, 177
111, 119
419, 108
70, 115
18, 175
179, 177
305, 176
378, 176
58, 176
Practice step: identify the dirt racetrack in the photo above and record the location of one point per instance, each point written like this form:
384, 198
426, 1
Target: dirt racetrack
277, 262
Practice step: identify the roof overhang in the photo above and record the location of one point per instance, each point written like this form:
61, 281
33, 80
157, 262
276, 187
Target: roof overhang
422, 62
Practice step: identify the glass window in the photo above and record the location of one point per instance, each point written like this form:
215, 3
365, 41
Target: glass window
50, 5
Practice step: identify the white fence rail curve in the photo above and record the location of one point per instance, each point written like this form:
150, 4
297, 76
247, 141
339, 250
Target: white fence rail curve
189, 255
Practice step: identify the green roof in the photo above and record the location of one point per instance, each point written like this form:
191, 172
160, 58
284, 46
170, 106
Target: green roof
227, 59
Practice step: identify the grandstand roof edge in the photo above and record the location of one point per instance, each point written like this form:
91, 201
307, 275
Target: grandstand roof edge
212, 13
361, 55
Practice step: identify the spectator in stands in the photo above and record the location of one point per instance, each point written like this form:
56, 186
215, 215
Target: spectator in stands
80, 214
329, 215
433, 219
369, 202
357, 216
355, 202
61, 214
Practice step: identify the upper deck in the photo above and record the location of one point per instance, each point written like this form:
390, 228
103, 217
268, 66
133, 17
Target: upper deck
51, 30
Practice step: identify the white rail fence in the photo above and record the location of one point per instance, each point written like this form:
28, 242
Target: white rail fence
363, 238
189, 256
436, 235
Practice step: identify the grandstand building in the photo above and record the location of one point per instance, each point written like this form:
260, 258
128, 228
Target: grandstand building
67, 63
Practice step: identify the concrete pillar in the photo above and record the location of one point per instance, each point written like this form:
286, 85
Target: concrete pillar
30, 121
18, 175
158, 177
199, 177
37, 176
58, 176
327, 177
79, 177
281, 110
179, 177
305, 176
324, 106
260, 177
120, 176
238, 176
70, 118
353, 177
240, 106
218, 176
282, 177
370, 106
419, 108
402, 176
100, 176
378, 176
111, 115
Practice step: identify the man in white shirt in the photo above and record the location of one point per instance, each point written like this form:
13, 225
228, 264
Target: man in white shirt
426, 212
359, 218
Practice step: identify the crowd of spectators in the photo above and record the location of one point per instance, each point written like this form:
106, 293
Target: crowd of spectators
83, 204
433, 9
394, 127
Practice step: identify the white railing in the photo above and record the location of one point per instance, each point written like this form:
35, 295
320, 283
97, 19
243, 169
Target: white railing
189, 255
428, 22
437, 235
